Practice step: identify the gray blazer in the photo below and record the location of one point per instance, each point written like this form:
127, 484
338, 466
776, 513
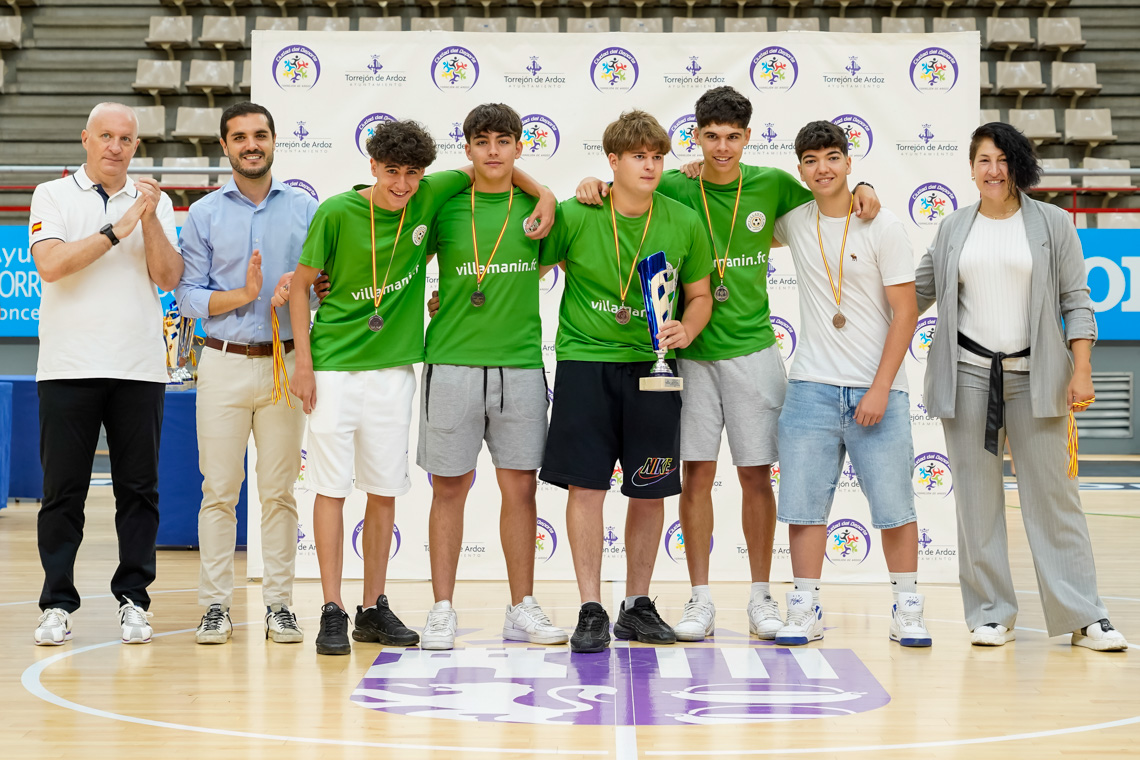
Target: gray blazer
1060, 307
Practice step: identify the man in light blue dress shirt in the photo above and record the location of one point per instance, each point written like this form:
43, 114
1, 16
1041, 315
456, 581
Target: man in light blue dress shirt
240, 245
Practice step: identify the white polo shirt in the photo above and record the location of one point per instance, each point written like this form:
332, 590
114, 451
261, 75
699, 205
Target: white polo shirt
104, 321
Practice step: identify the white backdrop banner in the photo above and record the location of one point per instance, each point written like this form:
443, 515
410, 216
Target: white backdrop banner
907, 102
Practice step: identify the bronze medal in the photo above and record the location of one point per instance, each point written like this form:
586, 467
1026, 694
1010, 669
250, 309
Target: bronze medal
838, 320
622, 315
721, 293
478, 298
376, 323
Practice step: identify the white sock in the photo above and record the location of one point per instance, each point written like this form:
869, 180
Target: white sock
760, 591
702, 593
905, 582
629, 600
442, 604
808, 584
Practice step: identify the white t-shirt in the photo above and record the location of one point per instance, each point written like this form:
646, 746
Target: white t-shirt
104, 321
877, 254
994, 272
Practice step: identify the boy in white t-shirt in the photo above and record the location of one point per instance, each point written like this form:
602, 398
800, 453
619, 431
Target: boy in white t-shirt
847, 391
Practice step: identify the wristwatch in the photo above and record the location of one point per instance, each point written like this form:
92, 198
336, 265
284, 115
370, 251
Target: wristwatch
109, 231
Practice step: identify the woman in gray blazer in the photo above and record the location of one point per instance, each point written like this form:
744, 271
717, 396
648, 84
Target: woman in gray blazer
1010, 357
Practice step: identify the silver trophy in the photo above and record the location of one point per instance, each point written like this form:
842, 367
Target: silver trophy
658, 286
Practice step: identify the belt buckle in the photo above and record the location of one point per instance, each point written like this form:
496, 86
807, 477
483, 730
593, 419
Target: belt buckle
247, 350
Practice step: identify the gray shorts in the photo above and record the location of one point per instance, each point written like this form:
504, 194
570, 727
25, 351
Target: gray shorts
744, 395
461, 406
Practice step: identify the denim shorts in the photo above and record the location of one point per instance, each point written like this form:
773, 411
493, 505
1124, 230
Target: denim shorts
817, 427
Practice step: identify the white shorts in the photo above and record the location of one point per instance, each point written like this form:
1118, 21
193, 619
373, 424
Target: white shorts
361, 417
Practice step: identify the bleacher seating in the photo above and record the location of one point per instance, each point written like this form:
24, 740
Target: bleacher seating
984, 80
222, 33
1088, 126
846, 24
170, 32
277, 23
11, 31
1060, 34
1118, 221
1018, 77
382, 24
801, 24
138, 162
196, 125
693, 25
152, 122
244, 85
757, 24
990, 115
896, 25
1008, 34
1055, 180
433, 23
158, 78
586, 25
1122, 180
941, 25
1038, 124
327, 24
209, 77
484, 24
1076, 79
642, 25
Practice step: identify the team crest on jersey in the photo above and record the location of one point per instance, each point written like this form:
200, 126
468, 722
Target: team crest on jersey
756, 221
418, 234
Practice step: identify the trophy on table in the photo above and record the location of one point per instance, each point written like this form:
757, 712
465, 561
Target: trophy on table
178, 333
658, 286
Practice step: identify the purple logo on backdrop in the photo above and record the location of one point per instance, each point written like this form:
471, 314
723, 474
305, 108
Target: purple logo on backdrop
924, 540
300, 533
934, 70
454, 68
785, 337
923, 339
539, 136
774, 474
675, 543
301, 184
614, 70
367, 127
848, 542
474, 474
774, 68
545, 541
683, 137
548, 281
625, 687
932, 476
356, 547
930, 203
859, 135
296, 68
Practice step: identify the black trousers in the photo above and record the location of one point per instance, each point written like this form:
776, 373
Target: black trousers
70, 414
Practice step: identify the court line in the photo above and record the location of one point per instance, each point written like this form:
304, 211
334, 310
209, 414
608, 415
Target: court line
30, 680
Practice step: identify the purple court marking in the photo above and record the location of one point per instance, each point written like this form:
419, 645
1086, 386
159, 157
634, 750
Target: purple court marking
622, 686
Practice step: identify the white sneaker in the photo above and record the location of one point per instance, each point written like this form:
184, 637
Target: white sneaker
215, 627
527, 622
907, 626
764, 620
281, 625
439, 633
132, 618
54, 629
697, 621
805, 621
1100, 636
991, 635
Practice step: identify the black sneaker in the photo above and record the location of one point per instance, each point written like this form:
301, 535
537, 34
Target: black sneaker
642, 623
381, 624
593, 631
333, 636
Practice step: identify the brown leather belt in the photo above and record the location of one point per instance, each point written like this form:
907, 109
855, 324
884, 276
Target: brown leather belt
260, 349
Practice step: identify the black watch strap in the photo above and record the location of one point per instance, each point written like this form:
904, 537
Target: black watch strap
109, 231
868, 184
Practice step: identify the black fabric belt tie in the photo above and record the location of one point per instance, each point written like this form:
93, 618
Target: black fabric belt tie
995, 409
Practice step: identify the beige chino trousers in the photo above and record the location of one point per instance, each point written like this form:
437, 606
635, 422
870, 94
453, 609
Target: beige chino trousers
235, 398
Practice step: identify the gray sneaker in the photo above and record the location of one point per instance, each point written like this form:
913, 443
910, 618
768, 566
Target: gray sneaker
281, 625
215, 627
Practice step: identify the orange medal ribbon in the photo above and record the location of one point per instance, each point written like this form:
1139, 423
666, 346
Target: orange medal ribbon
837, 293
721, 266
477, 298
617, 250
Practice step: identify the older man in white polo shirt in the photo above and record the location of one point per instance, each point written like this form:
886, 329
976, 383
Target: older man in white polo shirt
101, 243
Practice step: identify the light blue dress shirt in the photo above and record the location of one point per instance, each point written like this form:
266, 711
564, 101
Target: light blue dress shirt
218, 238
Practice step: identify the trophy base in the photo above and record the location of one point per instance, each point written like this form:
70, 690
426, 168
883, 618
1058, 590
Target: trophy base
661, 383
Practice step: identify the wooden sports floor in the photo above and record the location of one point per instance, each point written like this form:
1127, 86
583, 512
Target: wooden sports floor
858, 694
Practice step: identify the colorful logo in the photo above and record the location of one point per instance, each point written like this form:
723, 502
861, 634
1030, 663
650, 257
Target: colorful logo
930, 203
683, 136
848, 542
296, 68
774, 474
932, 475
617, 477
418, 237
360, 529
539, 136
367, 127
859, 135
653, 471
454, 68
675, 543
923, 339
785, 337
545, 541
756, 221
675, 687
774, 69
614, 70
301, 184
934, 70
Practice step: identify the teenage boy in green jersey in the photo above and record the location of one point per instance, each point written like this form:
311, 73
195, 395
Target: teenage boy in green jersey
483, 375
353, 373
734, 376
604, 347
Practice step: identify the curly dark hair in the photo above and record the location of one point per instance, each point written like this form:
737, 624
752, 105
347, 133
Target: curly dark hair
402, 143
818, 135
492, 118
723, 105
1020, 155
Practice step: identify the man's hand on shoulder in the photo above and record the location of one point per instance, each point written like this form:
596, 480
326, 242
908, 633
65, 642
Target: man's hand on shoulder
591, 191
692, 170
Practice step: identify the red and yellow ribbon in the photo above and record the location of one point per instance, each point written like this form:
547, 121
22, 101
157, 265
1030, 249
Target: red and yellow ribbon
1072, 438
280, 387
